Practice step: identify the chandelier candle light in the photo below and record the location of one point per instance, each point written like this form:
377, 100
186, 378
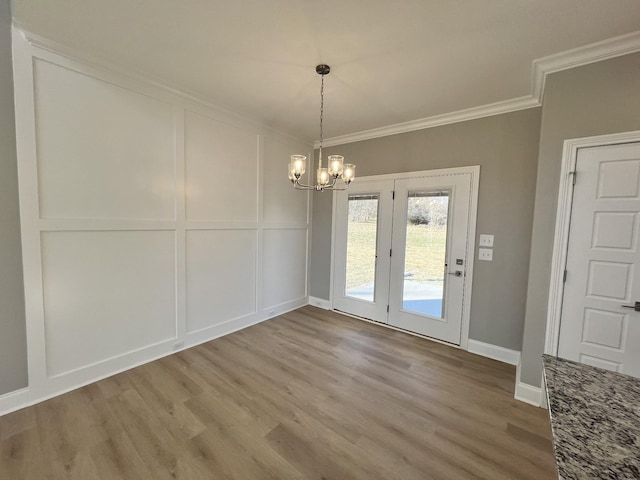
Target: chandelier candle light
327, 176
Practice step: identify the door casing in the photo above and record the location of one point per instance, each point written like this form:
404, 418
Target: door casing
471, 234
563, 218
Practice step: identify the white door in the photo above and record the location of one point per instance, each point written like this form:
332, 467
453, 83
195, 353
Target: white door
363, 239
403, 260
429, 261
598, 327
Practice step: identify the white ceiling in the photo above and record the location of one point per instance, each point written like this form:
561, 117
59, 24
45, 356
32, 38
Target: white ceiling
392, 61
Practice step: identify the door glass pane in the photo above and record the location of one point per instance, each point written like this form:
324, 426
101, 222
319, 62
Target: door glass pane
362, 227
425, 253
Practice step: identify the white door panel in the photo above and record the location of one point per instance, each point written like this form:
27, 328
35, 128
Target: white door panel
406, 309
363, 233
603, 261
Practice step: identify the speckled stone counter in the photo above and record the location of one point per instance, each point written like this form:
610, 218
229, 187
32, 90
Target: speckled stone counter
595, 419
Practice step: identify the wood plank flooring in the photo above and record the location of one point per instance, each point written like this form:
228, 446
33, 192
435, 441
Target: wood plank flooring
308, 395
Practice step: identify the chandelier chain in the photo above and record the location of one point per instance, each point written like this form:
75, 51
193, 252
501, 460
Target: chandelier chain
321, 109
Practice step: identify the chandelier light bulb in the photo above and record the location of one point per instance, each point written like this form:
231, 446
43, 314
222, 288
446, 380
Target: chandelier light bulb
349, 173
335, 165
323, 177
298, 165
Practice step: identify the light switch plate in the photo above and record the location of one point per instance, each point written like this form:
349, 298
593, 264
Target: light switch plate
486, 240
485, 254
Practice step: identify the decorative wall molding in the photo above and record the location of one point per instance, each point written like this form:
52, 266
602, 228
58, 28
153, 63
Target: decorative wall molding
495, 352
196, 98
46, 82
541, 67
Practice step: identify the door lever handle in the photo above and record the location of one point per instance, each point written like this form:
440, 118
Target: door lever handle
635, 306
458, 273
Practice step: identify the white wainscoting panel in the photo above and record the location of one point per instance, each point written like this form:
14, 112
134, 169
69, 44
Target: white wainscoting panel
282, 203
284, 266
221, 276
219, 157
106, 294
103, 151
143, 220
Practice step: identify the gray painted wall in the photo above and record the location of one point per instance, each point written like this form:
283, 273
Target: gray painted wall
506, 148
13, 345
592, 100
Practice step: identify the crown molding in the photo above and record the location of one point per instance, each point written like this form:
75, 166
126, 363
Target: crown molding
541, 67
491, 109
592, 53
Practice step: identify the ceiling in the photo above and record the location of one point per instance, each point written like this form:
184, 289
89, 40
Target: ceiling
391, 62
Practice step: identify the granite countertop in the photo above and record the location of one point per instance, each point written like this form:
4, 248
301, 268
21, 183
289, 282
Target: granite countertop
595, 419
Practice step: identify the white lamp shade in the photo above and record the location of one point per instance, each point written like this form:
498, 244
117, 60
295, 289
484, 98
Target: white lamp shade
335, 165
323, 176
348, 173
298, 165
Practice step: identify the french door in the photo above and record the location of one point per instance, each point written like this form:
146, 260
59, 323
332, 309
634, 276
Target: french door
363, 222
401, 252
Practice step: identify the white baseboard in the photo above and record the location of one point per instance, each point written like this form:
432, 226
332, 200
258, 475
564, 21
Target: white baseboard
505, 355
320, 303
529, 393
26, 397
523, 392
12, 401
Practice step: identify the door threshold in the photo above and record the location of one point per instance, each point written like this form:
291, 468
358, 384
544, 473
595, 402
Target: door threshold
397, 329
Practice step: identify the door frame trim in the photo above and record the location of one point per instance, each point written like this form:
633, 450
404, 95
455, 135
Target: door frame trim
570, 151
474, 171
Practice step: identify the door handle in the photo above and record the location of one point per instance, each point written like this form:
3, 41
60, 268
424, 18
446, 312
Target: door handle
635, 306
458, 273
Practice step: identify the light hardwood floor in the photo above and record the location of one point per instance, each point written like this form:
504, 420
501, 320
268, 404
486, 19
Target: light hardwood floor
308, 395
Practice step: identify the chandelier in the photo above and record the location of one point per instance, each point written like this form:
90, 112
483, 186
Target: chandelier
326, 177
